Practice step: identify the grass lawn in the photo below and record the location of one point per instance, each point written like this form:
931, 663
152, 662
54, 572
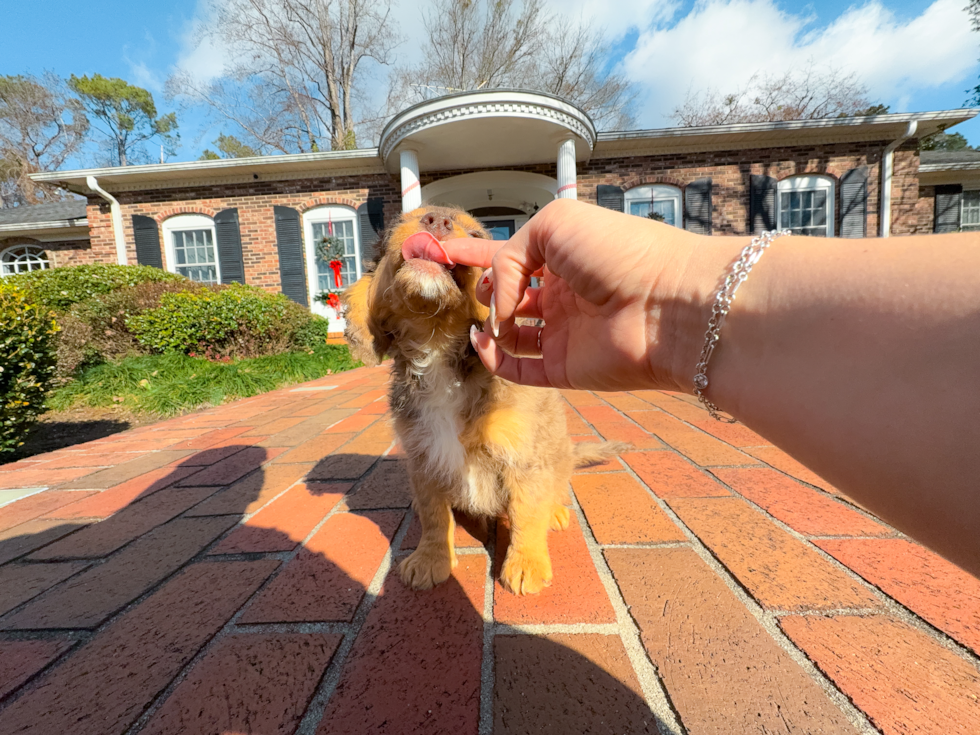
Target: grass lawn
165, 385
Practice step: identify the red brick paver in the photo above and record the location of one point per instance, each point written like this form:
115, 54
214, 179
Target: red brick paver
235, 570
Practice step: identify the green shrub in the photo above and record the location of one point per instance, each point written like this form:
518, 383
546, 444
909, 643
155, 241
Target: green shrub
60, 288
27, 363
95, 331
235, 321
312, 332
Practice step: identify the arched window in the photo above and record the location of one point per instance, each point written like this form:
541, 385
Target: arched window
189, 239
656, 201
805, 205
338, 222
23, 258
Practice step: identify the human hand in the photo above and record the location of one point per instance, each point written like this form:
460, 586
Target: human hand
623, 300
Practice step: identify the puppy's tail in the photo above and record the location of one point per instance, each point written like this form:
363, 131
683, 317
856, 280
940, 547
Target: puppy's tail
588, 454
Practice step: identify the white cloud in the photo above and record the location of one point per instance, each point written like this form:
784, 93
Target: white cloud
720, 44
626, 15
201, 56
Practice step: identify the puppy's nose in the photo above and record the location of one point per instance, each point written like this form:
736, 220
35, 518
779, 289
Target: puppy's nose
438, 225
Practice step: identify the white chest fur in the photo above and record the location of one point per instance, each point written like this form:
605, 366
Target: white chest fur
440, 421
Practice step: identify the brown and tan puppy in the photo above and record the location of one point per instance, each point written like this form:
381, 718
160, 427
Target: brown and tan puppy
474, 441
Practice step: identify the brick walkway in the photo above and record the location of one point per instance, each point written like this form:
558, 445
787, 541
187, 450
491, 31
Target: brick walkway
230, 571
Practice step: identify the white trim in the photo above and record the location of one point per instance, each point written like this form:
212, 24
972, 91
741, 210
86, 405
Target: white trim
181, 222
327, 213
655, 192
808, 182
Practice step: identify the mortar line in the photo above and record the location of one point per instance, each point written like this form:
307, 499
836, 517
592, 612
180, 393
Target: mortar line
556, 629
654, 691
768, 623
487, 663
331, 676
231, 625
887, 602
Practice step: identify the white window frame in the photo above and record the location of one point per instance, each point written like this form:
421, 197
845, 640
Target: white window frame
657, 192
327, 213
809, 182
181, 222
36, 254
965, 227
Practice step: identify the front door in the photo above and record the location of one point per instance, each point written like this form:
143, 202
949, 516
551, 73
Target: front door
500, 229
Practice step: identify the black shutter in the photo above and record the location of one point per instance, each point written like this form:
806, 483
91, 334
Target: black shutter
854, 203
948, 200
697, 206
611, 197
229, 246
147, 236
371, 223
762, 204
289, 240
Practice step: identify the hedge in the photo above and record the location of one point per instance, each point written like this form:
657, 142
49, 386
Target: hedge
60, 288
27, 363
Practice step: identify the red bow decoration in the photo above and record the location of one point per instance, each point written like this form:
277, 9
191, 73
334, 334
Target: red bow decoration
333, 301
335, 266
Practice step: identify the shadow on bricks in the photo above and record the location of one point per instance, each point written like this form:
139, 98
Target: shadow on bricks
234, 590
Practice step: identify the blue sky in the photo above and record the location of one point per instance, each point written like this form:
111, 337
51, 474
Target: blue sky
912, 55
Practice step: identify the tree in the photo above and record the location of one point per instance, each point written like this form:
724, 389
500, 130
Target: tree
41, 126
297, 70
126, 115
228, 147
488, 44
974, 11
944, 142
807, 94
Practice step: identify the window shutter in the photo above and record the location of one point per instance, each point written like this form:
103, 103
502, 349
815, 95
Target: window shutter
762, 204
611, 197
229, 246
147, 236
289, 241
948, 199
854, 203
697, 206
371, 223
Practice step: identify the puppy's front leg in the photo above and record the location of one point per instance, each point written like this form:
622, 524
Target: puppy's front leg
435, 558
527, 566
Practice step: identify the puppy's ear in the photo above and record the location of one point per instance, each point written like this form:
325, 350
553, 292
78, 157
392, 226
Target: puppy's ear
356, 301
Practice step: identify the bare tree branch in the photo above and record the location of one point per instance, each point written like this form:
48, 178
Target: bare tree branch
808, 93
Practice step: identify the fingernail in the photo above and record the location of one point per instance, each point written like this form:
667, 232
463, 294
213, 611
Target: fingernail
487, 277
473, 332
493, 315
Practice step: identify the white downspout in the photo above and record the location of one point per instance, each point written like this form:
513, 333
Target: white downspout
115, 213
887, 165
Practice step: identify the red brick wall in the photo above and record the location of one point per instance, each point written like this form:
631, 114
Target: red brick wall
925, 208
69, 252
254, 202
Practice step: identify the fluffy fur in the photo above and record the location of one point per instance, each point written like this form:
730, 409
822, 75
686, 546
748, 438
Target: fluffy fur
474, 442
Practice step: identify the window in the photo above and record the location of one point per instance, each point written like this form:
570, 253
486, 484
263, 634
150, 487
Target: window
190, 247
331, 221
659, 200
21, 259
805, 205
970, 216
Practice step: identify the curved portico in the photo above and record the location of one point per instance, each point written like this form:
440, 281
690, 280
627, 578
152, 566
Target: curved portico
480, 130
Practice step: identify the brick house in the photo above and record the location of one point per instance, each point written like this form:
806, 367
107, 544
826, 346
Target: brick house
501, 155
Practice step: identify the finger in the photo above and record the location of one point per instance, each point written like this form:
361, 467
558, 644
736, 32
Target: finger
518, 340
513, 266
472, 250
529, 307
522, 370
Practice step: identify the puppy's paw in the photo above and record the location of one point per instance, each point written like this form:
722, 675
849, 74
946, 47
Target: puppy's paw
425, 568
559, 518
524, 574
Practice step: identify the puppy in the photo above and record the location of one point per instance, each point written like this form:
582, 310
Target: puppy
474, 442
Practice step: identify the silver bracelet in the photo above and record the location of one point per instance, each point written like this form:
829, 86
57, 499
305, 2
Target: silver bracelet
723, 304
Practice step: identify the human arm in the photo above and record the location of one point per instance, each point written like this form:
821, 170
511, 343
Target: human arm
860, 358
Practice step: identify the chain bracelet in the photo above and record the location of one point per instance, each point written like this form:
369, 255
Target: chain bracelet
723, 303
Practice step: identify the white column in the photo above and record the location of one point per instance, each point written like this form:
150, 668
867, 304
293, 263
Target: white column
567, 181
411, 188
